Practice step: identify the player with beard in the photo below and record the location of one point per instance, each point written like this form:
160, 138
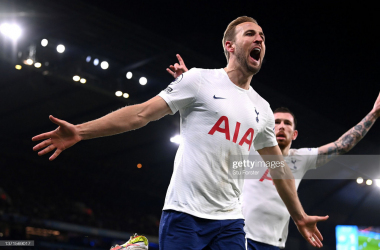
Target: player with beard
267, 229
202, 206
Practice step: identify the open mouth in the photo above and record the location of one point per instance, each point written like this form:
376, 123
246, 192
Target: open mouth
255, 54
281, 136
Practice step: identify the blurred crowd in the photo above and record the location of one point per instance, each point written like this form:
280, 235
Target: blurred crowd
41, 199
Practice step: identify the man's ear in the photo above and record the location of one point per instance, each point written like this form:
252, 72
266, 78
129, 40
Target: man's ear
295, 134
230, 46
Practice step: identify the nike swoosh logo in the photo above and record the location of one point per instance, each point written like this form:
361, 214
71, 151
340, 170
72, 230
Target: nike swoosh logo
218, 97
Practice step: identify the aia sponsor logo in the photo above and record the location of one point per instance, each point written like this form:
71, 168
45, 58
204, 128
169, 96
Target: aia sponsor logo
247, 137
266, 177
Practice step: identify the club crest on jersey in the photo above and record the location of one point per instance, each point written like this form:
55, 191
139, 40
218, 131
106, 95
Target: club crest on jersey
247, 137
177, 80
294, 163
257, 113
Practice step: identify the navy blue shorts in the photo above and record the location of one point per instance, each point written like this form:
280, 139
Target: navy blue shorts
183, 231
254, 245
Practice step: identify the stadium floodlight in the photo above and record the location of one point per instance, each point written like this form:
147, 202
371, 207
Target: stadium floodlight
377, 182
96, 61
44, 42
176, 139
88, 59
12, 31
37, 65
61, 48
359, 180
125, 95
118, 93
104, 65
28, 61
76, 78
129, 75
83, 80
18, 67
143, 80
369, 182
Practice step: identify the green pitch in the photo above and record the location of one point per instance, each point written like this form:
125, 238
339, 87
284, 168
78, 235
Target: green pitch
371, 245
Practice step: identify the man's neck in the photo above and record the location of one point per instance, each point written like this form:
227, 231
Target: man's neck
285, 151
238, 76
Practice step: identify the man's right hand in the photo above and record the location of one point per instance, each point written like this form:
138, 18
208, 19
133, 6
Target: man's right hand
307, 226
65, 136
177, 69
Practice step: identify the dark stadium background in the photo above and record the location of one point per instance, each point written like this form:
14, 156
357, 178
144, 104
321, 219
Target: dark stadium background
321, 62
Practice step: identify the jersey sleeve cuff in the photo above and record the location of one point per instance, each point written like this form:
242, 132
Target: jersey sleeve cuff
265, 145
166, 98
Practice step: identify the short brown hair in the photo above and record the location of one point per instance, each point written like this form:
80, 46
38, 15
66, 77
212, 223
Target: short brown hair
229, 34
286, 110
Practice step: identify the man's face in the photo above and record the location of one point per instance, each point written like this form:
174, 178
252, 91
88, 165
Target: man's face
249, 46
284, 129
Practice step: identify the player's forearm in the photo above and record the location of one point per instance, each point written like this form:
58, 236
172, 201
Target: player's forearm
119, 121
349, 139
284, 181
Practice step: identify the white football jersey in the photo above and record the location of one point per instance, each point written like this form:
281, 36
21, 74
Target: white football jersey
219, 120
266, 216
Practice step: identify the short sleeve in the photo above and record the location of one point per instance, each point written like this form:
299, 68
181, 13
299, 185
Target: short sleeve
182, 92
266, 138
311, 155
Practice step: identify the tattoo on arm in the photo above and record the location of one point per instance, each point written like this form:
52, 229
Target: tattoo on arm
332, 150
368, 124
347, 141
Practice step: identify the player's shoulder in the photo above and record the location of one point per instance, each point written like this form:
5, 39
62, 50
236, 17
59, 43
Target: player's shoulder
303, 151
194, 71
196, 77
190, 76
260, 100
205, 73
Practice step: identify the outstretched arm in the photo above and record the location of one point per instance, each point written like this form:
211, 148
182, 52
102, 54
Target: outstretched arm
119, 121
349, 139
284, 181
